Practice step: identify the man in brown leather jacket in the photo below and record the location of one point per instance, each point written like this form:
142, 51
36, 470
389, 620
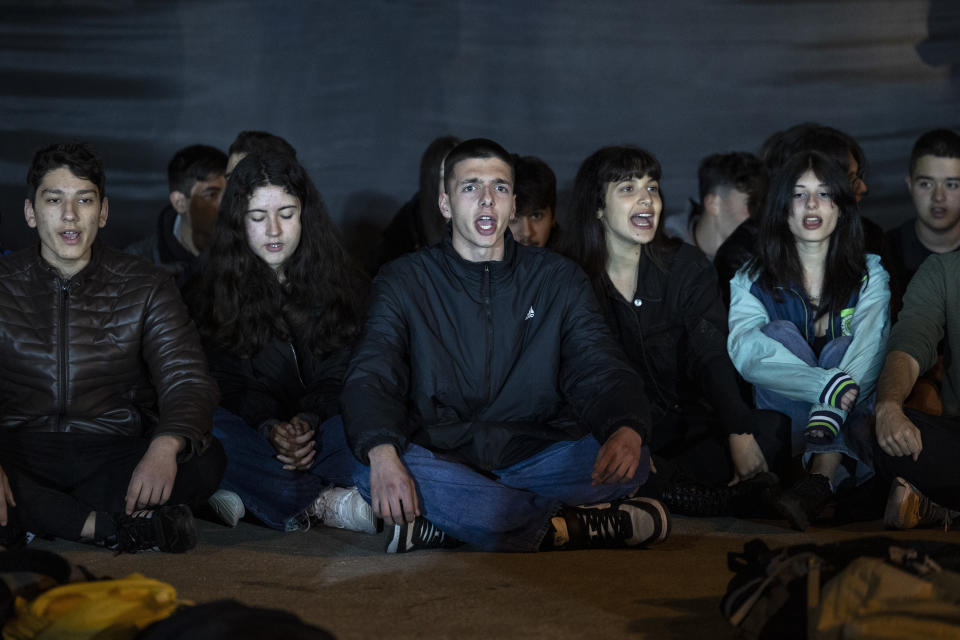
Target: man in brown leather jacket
105, 401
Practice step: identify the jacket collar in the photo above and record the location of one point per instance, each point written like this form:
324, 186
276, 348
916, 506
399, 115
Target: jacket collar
44, 267
473, 272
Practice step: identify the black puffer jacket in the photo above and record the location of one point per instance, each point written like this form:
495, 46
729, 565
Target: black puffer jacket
111, 350
486, 362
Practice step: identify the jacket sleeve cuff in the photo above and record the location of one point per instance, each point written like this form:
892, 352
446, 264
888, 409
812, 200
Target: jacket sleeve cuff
398, 443
838, 385
826, 419
633, 423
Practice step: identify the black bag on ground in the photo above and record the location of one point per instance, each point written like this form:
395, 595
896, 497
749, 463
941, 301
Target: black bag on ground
909, 588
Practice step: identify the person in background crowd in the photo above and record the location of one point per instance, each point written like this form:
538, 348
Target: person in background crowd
261, 142
196, 179
418, 224
535, 222
732, 188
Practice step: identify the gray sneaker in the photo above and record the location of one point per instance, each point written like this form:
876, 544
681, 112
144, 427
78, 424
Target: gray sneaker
228, 506
344, 509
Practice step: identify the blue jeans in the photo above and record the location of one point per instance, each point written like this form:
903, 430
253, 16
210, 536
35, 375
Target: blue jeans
273, 494
510, 511
855, 440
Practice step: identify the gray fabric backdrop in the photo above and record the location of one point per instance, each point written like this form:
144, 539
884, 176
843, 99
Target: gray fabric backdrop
361, 87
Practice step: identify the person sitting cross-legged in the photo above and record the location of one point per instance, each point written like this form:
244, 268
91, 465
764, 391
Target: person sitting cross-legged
105, 399
278, 307
486, 395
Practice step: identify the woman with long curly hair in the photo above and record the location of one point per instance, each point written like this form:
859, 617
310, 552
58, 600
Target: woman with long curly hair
277, 307
808, 326
661, 299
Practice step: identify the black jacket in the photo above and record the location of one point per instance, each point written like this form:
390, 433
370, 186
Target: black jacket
164, 249
284, 380
674, 332
486, 362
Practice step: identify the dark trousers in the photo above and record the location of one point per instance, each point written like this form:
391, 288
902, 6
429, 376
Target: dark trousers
59, 478
936, 473
695, 449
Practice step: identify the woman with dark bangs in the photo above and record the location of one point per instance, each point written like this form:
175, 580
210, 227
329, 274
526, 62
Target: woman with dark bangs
662, 302
277, 309
808, 327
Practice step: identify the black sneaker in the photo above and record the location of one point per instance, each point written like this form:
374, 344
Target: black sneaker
168, 528
803, 502
750, 498
633, 522
419, 534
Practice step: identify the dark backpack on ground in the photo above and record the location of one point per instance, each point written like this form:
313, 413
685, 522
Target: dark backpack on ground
776, 593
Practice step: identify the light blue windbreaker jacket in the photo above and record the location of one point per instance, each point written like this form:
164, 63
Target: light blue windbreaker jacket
765, 362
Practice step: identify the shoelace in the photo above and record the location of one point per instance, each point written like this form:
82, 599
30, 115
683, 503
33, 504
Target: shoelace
605, 526
135, 535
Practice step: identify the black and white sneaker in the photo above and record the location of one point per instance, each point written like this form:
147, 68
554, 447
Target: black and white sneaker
419, 534
634, 522
169, 528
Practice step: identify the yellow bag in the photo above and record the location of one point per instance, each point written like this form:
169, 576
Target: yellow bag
100, 609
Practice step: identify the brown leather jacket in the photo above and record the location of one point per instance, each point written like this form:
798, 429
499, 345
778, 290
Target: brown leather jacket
111, 350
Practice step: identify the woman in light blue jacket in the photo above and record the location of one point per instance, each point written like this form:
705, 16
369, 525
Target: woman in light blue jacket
808, 327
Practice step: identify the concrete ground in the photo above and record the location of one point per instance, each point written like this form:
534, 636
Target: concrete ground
344, 582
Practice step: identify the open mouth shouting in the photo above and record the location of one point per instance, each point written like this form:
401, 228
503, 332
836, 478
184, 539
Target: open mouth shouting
812, 222
643, 220
486, 225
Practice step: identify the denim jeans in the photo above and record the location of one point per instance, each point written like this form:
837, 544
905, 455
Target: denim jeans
855, 440
273, 494
508, 509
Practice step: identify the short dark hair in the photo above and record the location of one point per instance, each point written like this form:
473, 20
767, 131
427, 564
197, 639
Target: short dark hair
194, 163
737, 170
782, 146
536, 185
474, 148
942, 143
261, 142
79, 157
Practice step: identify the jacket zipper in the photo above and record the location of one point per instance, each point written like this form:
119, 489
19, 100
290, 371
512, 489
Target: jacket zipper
486, 302
296, 364
62, 350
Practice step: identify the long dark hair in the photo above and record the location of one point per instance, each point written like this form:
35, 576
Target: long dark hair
777, 263
584, 243
243, 304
